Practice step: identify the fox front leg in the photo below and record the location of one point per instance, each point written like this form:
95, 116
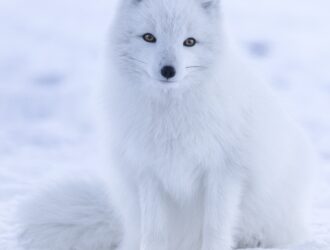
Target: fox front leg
154, 220
222, 196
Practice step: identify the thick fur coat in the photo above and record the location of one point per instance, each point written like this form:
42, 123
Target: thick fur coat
202, 160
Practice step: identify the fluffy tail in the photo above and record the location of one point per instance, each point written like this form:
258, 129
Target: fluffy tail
67, 215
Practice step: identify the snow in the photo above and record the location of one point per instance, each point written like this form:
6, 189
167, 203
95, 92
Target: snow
51, 53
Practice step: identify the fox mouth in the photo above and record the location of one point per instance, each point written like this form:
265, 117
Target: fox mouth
167, 81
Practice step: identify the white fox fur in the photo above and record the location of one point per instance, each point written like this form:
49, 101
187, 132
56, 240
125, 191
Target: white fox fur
64, 214
207, 160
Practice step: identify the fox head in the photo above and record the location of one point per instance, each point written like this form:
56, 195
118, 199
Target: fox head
166, 43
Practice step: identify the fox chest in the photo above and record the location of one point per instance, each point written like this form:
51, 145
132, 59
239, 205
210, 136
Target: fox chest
178, 161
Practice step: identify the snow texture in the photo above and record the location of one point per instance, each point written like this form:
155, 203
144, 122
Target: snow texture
51, 56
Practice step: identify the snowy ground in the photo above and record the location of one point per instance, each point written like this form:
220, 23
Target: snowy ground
51, 53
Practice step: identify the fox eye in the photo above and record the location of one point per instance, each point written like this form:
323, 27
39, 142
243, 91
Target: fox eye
190, 42
150, 38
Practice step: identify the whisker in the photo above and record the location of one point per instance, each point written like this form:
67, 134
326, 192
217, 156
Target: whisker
196, 66
135, 59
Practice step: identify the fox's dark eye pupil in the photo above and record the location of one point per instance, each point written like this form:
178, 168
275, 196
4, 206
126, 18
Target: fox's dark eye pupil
150, 38
190, 42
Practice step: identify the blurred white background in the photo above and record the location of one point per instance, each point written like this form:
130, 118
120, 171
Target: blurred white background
52, 53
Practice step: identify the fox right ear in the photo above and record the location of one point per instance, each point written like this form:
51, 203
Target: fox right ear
132, 2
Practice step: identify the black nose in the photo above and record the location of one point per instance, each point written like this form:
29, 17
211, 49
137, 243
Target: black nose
168, 72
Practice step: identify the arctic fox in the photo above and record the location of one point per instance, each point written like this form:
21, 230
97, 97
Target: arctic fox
202, 155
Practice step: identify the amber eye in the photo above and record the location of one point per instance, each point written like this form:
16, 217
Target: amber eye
150, 38
190, 42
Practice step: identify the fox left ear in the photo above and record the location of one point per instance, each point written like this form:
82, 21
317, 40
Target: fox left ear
210, 4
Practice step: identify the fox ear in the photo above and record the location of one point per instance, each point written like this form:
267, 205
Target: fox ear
210, 4
135, 1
